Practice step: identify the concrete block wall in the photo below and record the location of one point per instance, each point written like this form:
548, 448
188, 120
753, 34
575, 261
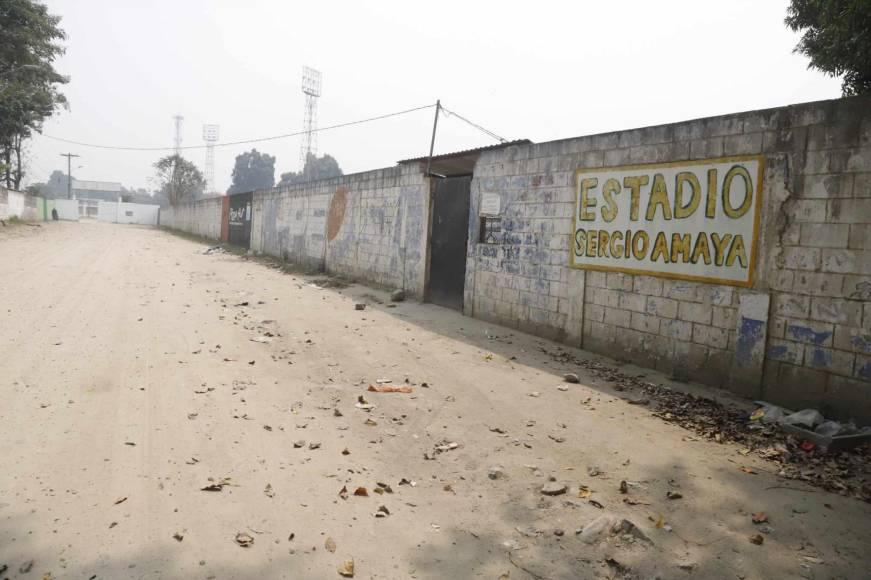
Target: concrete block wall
800, 336
367, 226
19, 204
202, 218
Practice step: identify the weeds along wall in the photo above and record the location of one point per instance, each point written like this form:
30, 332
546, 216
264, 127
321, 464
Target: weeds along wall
797, 331
367, 226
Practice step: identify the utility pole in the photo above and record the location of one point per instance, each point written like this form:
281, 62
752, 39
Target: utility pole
69, 157
435, 123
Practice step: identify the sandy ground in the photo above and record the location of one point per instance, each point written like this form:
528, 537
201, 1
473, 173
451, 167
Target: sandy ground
130, 381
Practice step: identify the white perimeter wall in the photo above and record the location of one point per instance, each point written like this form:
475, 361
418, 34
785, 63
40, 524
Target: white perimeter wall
127, 213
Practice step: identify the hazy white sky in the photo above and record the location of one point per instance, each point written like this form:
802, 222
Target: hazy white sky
538, 70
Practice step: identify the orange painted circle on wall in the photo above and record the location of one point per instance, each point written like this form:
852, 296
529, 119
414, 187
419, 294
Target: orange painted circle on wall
336, 215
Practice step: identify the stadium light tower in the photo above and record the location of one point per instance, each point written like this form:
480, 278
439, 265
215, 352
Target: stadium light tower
311, 88
210, 136
179, 125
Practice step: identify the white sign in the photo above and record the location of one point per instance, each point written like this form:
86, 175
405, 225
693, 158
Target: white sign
491, 204
692, 220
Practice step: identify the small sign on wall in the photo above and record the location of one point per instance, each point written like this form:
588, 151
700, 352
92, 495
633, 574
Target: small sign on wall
691, 220
491, 204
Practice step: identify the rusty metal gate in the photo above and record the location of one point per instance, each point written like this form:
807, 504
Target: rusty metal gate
240, 219
449, 235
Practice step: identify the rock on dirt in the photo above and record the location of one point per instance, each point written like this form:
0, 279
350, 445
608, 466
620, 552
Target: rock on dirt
397, 295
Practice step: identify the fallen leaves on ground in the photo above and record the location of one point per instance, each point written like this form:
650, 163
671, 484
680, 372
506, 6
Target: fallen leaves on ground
389, 388
845, 473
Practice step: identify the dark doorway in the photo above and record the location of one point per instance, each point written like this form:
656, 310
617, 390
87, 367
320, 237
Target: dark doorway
240, 219
450, 232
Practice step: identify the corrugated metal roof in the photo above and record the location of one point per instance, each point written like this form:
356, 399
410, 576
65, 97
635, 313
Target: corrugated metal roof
468, 151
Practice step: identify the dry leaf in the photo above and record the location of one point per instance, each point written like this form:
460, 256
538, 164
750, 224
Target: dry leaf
757, 539
584, 492
760, 517
361, 491
120, 500
343, 493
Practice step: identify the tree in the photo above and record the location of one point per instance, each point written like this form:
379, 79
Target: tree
29, 94
836, 38
180, 179
57, 184
253, 171
315, 168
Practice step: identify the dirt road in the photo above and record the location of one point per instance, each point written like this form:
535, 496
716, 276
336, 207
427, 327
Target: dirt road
137, 370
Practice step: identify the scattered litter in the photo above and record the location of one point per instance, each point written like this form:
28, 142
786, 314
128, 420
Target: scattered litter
397, 295
496, 472
359, 306
593, 471
553, 488
244, 539
217, 485
330, 545
361, 492
120, 500
673, 495
269, 492
178, 536
381, 512
571, 378
381, 388
759, 517
346, 569
757, 539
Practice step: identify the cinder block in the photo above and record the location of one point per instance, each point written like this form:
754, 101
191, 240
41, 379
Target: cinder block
835, 361
800, 258
846, 261
853, 339
634, 302
594, 312
645, 323
710, 335
649, 285
836, 310
619, 281
862, 184
746, 144
617, 317
859, 160
693, 312
706, 148
860, 237
596, 279
848, 211
826, 186
785, 350
814, 284
810, 210
723, 317
816, 333
681, 291
662, 307
676, 329
862, 369
826, 235
716, 295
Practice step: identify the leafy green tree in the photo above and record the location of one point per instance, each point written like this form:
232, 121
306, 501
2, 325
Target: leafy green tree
180, 180
315, 168
837, 39
253, 171
30, 41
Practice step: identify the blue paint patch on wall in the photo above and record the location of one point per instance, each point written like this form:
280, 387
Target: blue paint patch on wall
821, 358
807, 334
749, 337
862, 342
780, 352
864, 372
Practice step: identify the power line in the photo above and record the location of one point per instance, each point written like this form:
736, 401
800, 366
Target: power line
244, 142
475, 125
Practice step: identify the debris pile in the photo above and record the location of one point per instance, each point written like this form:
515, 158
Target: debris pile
845, 472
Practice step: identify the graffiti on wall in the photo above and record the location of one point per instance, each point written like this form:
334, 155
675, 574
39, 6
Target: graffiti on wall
692, 220
336, 214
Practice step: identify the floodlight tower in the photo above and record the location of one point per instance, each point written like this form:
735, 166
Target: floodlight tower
210, 136
179, 123
311, 87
